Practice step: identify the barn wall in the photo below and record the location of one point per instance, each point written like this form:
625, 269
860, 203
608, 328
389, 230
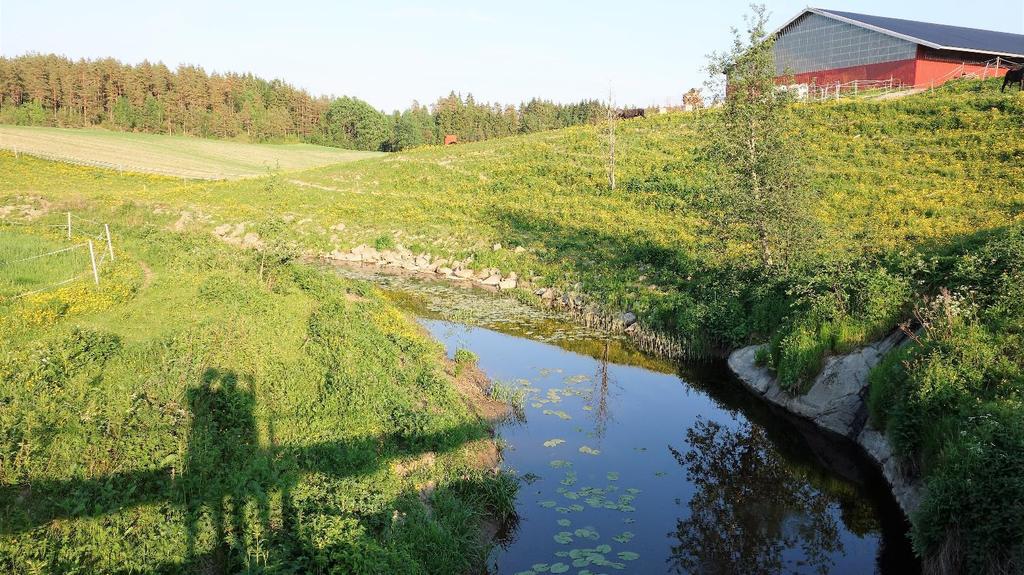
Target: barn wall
903, 72
929, 66
942, 65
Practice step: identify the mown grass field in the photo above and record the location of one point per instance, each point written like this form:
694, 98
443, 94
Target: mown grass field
169, 155
914, 195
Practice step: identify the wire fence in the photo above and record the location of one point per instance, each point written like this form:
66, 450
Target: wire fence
81, 248
821, 92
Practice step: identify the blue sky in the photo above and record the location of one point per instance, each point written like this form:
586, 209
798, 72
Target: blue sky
390, 53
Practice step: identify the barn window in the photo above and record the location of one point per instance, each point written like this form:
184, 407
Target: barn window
815, 43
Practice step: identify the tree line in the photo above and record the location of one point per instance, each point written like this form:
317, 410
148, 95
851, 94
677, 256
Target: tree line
52, 90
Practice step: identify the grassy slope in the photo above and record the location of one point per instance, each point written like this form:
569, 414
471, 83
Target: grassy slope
894, 177
910, 188
171, 155
208, 410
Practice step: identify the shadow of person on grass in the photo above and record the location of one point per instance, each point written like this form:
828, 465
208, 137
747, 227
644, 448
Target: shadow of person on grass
228, 481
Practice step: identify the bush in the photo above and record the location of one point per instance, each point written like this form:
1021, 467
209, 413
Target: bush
952, 402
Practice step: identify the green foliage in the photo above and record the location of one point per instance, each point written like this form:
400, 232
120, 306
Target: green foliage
836, 311
951, 401
465, 357
752, 146
217, 420
384, 242
352, 123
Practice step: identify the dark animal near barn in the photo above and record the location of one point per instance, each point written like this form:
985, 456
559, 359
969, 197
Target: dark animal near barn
1014, 76
629, 113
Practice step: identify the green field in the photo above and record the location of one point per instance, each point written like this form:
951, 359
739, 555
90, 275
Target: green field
915, 196
179, 156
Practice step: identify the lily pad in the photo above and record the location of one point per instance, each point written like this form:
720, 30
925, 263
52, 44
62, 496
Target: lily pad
561, 414
563, 523
563, 537
560, 463
589, 450
612, 475
559, 568
628, 555
548, 504
540, 567
553, 442
625, 537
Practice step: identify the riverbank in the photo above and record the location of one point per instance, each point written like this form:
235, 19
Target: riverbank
837, 402
208, 409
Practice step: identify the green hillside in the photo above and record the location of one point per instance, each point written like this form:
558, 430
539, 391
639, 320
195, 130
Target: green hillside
920, 214
180, 156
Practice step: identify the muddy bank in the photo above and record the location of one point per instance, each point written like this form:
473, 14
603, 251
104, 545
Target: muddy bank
837, 402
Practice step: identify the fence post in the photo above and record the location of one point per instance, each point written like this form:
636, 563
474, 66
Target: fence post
92, 258
69, 225
110, 245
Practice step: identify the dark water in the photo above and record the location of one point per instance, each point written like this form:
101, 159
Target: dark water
634, 465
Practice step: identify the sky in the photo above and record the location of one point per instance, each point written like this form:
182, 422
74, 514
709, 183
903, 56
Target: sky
390, 53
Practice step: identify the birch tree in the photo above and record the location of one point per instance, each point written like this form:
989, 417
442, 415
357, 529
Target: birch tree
753, 148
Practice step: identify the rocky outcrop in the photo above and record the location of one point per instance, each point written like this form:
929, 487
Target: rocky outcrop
837, 401
404, 259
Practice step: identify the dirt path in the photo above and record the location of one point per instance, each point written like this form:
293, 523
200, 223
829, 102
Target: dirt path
147, 275
325, 188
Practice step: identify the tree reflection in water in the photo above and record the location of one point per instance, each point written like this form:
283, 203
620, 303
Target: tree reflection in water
749, 514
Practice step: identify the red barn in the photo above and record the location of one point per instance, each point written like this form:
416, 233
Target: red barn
827, 47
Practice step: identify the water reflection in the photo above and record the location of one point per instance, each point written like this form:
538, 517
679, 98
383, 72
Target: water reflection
749, 509
599, 396
746, 490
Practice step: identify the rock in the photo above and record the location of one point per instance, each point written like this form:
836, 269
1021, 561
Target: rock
338, 227
465, 274
360, 249
496, 247
627, 319
548, 294
492, 280
836, 402
539, 292
370, 255
445, 271
222, 230
422, 261
519, 249
251, 240
507, 283
513, 276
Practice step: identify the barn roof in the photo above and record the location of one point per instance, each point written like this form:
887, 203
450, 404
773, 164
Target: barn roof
938, 36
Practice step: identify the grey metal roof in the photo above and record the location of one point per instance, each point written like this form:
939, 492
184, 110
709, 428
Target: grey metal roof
938, 36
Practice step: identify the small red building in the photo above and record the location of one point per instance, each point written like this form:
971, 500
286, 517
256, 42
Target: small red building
827, 47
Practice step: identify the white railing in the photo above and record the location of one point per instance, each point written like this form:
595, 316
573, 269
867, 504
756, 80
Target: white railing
831, 91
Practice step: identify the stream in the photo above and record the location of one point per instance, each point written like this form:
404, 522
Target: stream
632, 464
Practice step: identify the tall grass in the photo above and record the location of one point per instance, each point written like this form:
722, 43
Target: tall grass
222, 419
